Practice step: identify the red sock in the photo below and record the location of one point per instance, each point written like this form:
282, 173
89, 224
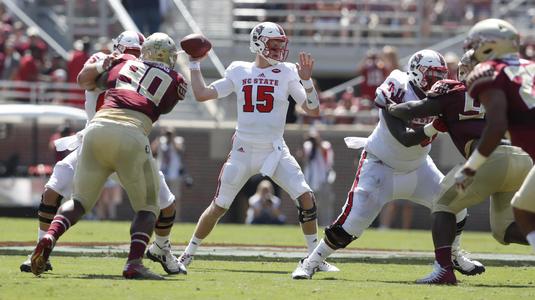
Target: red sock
138, 244
443, 256
59, 225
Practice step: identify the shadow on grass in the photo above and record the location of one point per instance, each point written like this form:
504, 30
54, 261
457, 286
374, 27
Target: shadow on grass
108, 277
245, 271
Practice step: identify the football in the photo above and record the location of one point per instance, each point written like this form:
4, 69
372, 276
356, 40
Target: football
196, 45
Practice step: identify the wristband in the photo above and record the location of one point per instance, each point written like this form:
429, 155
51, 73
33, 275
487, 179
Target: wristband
475, 161
195, 65
307, 84
430, 130
100, 66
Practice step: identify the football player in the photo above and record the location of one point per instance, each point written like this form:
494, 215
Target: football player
137, 92
504, 84
59, 185
465, 119
262, 88
393, 165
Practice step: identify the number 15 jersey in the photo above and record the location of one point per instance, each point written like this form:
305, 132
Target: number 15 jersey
262, 98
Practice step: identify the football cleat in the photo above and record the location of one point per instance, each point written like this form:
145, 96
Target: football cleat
139, 271
440, 275
40, 255
327, 267
163, 255
26, 266
305, 269
465, 265
185, 259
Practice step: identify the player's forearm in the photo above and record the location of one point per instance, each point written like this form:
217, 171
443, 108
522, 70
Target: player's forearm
311, 112
200, 90
491, 137
404, 111
87, 77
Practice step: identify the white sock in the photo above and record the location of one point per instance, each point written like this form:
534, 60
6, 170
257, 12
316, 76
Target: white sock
531, 239
194, 243
321, 252
456, 245
161, 240
40, 234
312, 241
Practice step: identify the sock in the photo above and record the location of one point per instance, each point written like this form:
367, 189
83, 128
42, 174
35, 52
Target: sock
40, 234
456, 245
312, 241
194, 243
59, 225
321, 252
443, 256
138, 244
161, 240
531, 239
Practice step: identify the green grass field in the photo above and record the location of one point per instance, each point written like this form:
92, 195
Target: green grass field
99, 277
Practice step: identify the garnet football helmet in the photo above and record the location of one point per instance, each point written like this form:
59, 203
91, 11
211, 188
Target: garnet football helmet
426, 67
262, 42
128, 40
491, 39
159, 47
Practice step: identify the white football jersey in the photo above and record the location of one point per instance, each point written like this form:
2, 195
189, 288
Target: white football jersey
262, 98
91, 97
381, 143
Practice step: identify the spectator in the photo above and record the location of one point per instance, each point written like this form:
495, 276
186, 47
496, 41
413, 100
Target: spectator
390, 58
318, 157
77, 58
388, 214
28, 69
62, 131
169, 150
110, 197
11, 61
374, 71
346, 108
264, 206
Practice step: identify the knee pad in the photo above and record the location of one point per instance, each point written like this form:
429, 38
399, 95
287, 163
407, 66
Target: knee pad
337, 237
165, 222
46, 212
307, 215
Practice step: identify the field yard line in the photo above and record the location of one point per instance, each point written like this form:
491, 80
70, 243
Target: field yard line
247, 253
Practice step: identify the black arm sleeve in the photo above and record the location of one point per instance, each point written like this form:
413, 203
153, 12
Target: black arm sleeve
407, 137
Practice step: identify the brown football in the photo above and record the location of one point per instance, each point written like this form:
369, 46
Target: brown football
196, 45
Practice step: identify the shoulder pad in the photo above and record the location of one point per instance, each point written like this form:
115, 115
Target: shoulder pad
95, 57
444, 87
483, 72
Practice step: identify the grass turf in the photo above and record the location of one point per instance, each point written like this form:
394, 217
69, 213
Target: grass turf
99, 278
25, 230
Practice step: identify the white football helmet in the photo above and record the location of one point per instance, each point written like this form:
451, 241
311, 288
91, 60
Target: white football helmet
128, 40
426, 67
491, 39
260, 42
466, 65
161, 48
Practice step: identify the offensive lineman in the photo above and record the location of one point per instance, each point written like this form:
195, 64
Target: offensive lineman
60, 183
138, 92
465, 120
504, 84
393, 165
262, 88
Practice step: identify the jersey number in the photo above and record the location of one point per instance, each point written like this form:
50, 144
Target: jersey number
264, 98
152, 83
470, 110
526, 76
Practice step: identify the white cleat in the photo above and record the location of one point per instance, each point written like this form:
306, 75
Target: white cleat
327, 267
305, 269
163, 255
465, 265
185, 259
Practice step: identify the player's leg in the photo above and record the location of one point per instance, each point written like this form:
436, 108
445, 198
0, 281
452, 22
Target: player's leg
371, 189
88, 181
160, 249
58, 186
233, 175
138, 173
502, 221
524, 207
